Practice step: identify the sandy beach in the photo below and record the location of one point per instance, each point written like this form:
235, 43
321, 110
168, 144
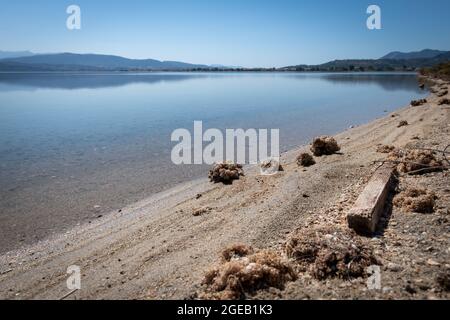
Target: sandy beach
158, 249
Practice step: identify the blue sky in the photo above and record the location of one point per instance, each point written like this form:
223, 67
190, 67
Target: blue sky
233, 32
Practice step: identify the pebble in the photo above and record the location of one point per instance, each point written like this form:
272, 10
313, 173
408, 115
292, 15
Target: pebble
387, 289
394, 267
432, 262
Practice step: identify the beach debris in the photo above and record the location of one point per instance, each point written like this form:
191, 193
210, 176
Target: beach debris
416, 103
305, 160
402, 123
416, 200
385, 148
415, 161
433, 263
236, 251
6, 271
243, 271
365, 214
443, 280
201, 211
198, 196
225, 172
327, 252
324, 145
442, 93
270, 166
422, 86
68, 294
444, 101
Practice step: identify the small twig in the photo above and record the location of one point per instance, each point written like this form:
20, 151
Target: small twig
406, 162
68, 294
428, 168
6, 271
444, 154
435, 150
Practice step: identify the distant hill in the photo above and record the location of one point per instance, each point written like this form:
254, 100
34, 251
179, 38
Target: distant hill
384, 64
15, 54
72, 62
424, 54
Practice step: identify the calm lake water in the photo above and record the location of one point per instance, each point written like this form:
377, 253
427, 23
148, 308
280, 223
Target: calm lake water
73, 146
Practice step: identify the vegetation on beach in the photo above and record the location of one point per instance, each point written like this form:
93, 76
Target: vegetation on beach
441, 71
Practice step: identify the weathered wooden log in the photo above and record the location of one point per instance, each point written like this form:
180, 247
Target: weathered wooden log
368, 208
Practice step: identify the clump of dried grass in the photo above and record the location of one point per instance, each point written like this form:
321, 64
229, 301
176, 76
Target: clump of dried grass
305, 160
225, 172
416, 200
244, 271
413, 160
328, 253
236, 251
324, 145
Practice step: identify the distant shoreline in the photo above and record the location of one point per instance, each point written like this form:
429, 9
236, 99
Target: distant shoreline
208, 71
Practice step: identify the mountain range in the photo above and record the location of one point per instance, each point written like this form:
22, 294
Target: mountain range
28, 61
424, 54
90, 62
15, 54
394, 61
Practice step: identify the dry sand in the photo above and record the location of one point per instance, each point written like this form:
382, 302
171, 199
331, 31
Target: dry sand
159, 249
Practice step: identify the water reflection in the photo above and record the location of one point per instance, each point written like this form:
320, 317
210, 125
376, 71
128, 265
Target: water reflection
31, 81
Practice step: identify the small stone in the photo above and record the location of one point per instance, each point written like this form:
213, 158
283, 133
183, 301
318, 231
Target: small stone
432, 262
386, 290
393, 267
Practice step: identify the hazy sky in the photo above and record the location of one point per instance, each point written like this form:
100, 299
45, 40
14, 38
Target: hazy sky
231, 32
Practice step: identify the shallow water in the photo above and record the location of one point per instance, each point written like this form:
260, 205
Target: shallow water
73, 146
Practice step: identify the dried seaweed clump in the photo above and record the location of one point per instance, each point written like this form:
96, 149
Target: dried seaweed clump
246, 273
416, 103
327, 253
236, 251
402, 123
324, 145
305, 160
444, 101
385, 149
414, 160
225, 172
416, 200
